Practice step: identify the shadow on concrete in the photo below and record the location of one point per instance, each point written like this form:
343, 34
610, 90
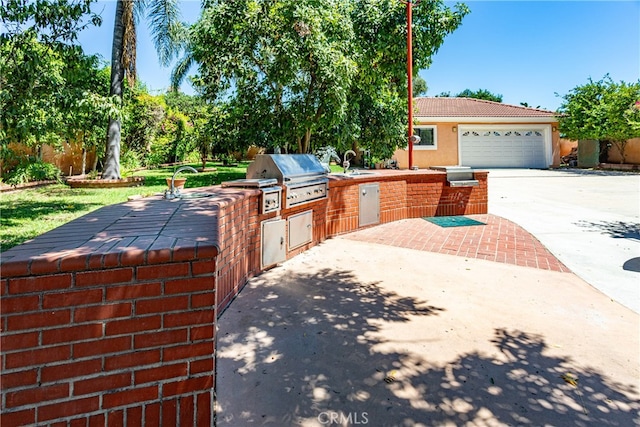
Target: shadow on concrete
594, 172
615, 229
561, 172
632, 264
307, 351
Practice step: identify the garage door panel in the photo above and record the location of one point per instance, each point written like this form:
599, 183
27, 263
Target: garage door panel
503, 148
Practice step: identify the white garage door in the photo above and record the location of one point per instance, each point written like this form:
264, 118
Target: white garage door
500, 147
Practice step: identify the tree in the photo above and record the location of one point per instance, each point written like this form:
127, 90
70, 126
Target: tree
290, 58
378, 99
85, 107
419, 86
39, 66
30, 113
51, 22
633, 115
145, 114
468, 93
480, 94
331, 69
601, 110
526, 104
164, 22
50, 91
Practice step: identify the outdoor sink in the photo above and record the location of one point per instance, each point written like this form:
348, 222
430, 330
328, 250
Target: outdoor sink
354, 173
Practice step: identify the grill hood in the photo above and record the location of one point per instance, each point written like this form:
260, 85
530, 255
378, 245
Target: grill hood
286, 167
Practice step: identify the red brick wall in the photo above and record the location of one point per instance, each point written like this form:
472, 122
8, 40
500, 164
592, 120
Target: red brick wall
342, 208
239, 236
429, 196
393, 201
413, 196
127, 336
128, 345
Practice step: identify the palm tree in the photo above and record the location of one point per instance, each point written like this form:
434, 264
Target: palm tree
163, 16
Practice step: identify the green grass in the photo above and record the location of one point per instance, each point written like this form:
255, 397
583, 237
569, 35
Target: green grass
25, 214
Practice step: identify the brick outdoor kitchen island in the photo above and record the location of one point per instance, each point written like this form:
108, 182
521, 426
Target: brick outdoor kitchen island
111, 317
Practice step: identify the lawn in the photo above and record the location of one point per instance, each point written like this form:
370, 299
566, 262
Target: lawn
25, 214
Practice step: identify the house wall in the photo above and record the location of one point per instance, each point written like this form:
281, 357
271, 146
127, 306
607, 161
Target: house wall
447, 145
446, 153
555, 145
566, 145
632, 153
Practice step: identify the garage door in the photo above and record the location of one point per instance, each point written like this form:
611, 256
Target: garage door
503, 147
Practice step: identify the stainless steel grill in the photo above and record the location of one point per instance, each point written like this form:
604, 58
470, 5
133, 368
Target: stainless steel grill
271, 194
302, 177
458, 176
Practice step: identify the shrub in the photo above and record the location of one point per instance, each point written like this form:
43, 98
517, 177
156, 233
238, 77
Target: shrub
160, 152
33, 170
129, 162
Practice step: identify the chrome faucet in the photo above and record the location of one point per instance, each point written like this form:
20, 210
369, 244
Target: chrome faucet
345, 163
173, 192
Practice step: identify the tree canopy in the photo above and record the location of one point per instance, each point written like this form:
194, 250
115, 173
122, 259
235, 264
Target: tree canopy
475, 94
299, 75
48, 87
51, 21
602, 110
51, 92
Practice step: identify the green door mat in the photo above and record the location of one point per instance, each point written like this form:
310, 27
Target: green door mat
453, 221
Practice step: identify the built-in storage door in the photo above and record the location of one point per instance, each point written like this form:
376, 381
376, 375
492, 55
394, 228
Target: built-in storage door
369, 204
274, 249
300, 229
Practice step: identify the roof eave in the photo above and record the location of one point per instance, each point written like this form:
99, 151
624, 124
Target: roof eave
475, 119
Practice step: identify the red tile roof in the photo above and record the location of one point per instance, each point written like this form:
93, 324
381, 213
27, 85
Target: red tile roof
469, 107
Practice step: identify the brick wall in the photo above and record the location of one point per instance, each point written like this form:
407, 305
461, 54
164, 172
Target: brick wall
121, 330
238, 226
133, 344
413, 196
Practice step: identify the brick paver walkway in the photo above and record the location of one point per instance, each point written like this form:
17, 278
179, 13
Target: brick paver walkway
499, 240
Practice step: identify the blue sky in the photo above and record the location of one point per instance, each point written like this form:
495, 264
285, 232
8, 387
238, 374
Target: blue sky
526, 51
529, 50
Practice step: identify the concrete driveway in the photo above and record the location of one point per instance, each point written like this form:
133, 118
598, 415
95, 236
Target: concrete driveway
590, 220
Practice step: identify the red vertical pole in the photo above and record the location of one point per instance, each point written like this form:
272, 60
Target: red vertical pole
410, 81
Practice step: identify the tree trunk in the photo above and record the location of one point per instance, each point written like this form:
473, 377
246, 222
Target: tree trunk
112, 159
604, 151
621, 146
299, 144
83, 169
307, 141
203, 158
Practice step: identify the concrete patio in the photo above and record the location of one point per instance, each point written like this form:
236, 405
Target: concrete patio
384, 327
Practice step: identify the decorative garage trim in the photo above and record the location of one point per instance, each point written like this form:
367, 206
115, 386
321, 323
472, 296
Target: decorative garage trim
504, 145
